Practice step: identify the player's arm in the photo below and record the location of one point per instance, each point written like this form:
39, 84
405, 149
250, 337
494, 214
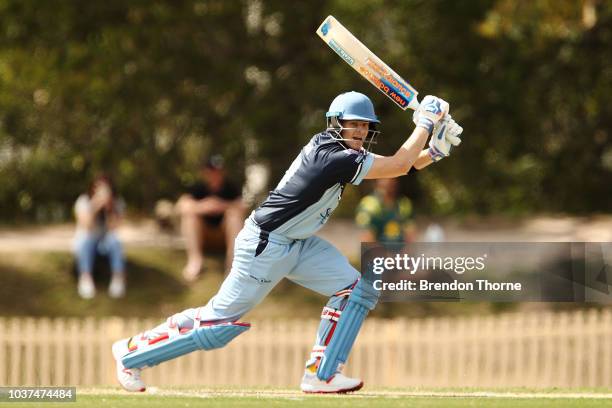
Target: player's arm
430, 112
405, 157
423, 160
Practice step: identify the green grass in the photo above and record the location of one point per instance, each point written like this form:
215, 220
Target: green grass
262, 397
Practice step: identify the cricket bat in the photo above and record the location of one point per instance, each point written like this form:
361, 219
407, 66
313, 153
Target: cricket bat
364, 61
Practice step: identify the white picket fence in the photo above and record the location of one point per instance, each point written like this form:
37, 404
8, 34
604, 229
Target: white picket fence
529, 349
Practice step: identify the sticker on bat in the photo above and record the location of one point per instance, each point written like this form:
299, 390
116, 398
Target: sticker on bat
402, 100
372, 78
399, 85
340, 51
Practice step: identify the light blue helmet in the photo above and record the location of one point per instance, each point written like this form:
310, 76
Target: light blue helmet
352, 106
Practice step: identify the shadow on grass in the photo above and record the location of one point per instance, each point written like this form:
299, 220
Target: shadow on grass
45, 285
148, 287
20, 294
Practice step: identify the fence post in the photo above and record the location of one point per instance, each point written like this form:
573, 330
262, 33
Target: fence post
15, 374
548, 351
592, 347
578, 350
491, 346
30, 343
564, 346
606, 355
3, 346
473, 351
43, 329
76, 353
415, 340
87, 337
59, 349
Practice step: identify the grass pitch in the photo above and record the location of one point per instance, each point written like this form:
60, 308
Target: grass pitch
264, 397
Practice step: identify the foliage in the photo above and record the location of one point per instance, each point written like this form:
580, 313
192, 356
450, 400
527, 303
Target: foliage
143, 89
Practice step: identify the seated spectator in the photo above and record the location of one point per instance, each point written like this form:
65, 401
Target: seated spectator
98, 213
384, 216
212, 214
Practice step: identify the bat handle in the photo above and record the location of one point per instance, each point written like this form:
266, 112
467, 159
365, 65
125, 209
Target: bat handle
414, 103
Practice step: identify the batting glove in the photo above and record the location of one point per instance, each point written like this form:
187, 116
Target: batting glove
445, 136
431, 110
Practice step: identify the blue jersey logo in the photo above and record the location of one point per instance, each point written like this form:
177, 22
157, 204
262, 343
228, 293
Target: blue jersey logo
324, 216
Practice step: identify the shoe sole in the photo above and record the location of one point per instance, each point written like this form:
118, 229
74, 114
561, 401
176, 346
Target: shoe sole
343, 391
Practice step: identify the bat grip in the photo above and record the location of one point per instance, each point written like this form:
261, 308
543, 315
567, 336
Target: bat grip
414, 103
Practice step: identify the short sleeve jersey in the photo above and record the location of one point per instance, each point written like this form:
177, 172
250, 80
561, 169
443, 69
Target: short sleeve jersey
312, 187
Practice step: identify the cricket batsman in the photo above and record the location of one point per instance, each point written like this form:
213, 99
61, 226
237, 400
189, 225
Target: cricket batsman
278, 242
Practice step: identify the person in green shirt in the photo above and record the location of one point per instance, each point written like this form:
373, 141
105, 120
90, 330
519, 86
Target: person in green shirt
384, 216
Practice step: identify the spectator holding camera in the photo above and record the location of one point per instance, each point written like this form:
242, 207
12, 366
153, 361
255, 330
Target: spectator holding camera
98, 214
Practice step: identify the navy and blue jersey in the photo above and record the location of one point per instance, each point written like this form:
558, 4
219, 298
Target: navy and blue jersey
312, 187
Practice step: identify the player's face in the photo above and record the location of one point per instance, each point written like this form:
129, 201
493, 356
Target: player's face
354, 133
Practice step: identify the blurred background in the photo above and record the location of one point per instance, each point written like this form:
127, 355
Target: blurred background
143, 90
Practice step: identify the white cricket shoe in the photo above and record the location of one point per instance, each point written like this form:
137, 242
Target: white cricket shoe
338, 384
129, 378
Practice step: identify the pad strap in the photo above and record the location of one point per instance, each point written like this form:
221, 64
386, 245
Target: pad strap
317, 352
330, 313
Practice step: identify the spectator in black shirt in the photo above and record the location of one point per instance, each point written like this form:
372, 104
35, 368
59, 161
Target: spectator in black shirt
212, 213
